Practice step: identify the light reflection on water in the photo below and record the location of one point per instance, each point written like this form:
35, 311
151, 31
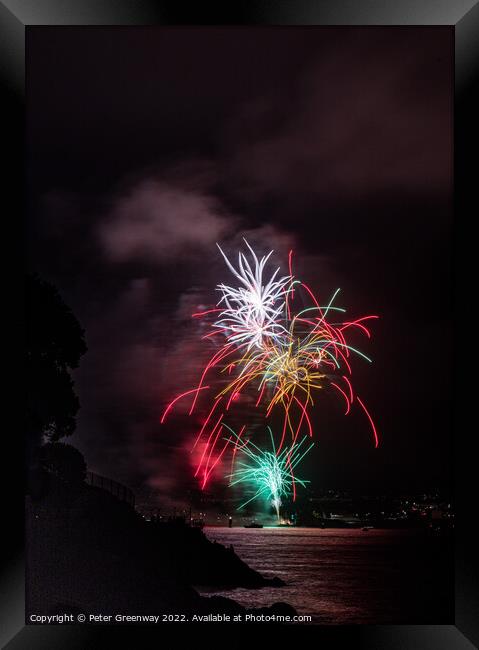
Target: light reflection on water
342, 576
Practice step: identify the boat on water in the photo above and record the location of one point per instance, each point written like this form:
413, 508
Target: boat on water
253, 524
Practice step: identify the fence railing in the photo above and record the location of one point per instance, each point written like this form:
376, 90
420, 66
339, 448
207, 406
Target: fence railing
118, 490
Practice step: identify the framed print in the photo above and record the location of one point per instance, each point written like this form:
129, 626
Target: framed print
246, 323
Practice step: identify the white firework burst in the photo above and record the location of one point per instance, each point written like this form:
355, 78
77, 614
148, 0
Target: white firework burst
253, 312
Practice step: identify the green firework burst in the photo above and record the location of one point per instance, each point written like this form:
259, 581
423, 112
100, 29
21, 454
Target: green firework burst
268, 473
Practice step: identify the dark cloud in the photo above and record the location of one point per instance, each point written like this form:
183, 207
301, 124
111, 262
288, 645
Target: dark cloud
157, 223
369, 117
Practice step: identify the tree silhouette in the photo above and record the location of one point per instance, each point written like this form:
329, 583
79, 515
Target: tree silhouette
55, 343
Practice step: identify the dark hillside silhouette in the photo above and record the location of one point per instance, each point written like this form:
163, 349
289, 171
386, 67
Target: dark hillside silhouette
89, 551
63, 461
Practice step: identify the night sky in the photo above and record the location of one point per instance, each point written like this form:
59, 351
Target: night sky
146, 146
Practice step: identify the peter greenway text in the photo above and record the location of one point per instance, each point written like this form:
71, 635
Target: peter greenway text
155, 619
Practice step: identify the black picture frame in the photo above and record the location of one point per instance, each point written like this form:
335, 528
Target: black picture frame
17, 16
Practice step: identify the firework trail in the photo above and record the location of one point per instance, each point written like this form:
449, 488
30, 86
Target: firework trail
282, 357
268, 473
252, 312
312, 356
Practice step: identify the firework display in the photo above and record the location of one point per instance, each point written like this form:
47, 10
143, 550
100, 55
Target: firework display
269, 473
276, 347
